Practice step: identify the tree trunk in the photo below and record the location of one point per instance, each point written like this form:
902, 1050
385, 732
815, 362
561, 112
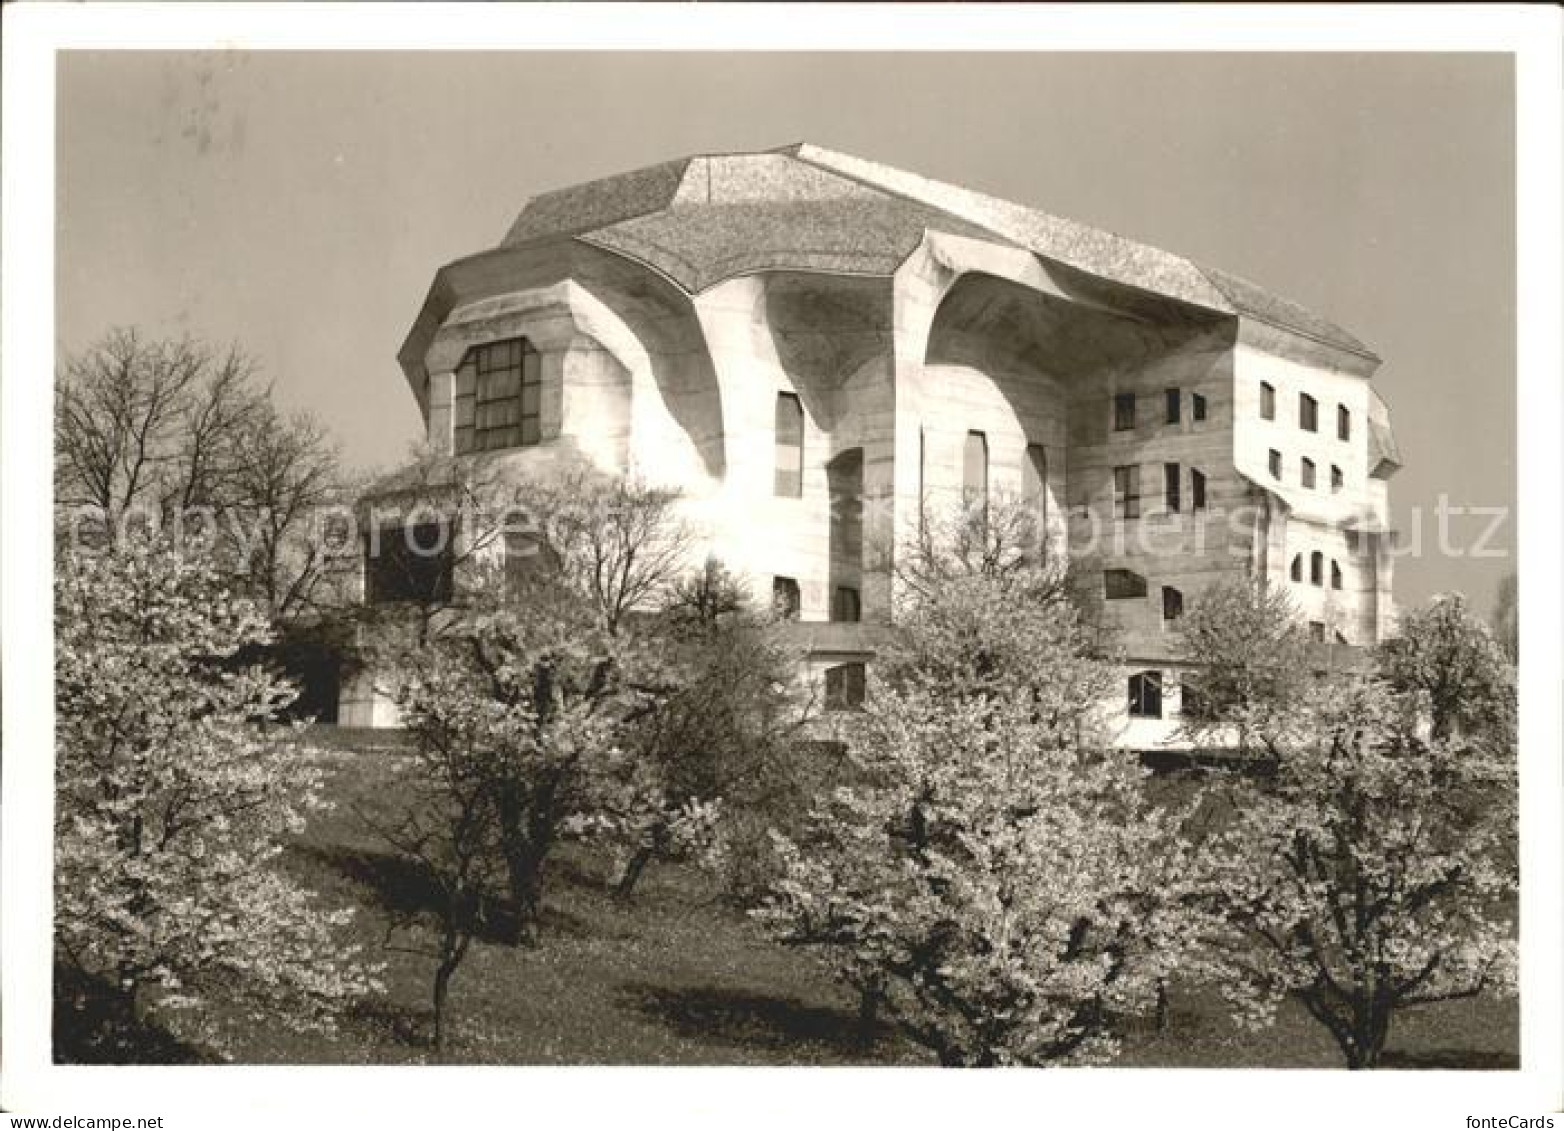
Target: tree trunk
632, 872
442, 992
868, 1015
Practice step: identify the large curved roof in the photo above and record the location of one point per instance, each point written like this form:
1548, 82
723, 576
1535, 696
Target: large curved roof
700, 220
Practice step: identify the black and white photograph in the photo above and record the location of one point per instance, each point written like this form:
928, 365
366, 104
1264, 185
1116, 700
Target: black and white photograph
780, 545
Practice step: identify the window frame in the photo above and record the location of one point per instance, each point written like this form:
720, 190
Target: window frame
1124, 412
1146, 701
1126, 493
787, 482
478, 370
1308, 413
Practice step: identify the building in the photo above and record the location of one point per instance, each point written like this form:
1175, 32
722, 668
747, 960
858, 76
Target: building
811, 345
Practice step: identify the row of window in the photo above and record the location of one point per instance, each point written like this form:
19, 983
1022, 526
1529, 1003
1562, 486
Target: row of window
1308, 472
846, 601
1126, 489
1308, 412
1127, 585
1316, 570
1125, 411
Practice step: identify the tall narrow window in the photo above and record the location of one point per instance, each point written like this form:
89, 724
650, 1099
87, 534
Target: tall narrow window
1173, 397
1308, 413
845, 605
1172, 603
1335, 575
1343, 423
1126, 491
1336, 479
1297, 567
1146, 695
498, 393
1170, 486
974, 469
844, 687
1316, 568
1123, 412
1267, 401
1034, 486
789, 446
1197, 489
785, 597
1276, 464
1197, 406
1308, 472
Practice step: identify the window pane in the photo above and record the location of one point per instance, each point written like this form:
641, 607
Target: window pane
789, 454
974, 467
1123, 411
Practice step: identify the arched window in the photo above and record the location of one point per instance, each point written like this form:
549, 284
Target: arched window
1146, 695
1122, 584
1297, 567
498, 392
1316, 568
1335, 575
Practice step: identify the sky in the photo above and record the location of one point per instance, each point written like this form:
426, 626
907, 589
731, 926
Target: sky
299, 203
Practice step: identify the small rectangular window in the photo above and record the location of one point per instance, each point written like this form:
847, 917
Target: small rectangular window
1170, 486
846, 607
1146, 695
1308, 413
1122, 584
1308, 472
1276, 464
1173, 398
1343, 423
1123, 412
789, 446
844, 687
1126, 491
1317, 631
1336, 480
1197, 406
785, 597
1267, 401
1172, 603
1197, 489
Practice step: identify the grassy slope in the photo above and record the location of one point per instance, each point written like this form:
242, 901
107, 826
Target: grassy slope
678, 978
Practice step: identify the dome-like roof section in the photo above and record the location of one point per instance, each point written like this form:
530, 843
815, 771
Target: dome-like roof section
700, 220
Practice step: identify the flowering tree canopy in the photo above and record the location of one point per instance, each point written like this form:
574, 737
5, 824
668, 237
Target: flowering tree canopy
993, 873
175, 791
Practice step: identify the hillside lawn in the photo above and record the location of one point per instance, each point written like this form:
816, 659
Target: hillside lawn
678, 976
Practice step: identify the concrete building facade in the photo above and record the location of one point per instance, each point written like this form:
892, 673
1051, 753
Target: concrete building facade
814, 348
